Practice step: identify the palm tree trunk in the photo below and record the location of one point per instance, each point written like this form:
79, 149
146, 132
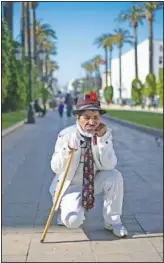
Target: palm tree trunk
33, 34
111, 66
150, 28
8, 15
29, 50
106, 66
135, 51
120, 76
25, 28
22, 26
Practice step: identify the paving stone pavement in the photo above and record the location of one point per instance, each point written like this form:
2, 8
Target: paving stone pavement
26, 202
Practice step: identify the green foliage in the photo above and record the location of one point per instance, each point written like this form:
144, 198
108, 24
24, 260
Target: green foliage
14, 75
7, 50
159, 86
150, 85
36, 91
108, 94
137, 90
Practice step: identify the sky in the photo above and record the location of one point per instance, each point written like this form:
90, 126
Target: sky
77, 25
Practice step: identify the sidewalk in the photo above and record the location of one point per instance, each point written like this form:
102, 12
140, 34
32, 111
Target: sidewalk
129, 108
26, 177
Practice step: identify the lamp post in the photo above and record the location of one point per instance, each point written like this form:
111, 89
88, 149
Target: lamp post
31, 113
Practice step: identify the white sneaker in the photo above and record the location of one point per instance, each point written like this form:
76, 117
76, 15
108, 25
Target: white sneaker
118, 230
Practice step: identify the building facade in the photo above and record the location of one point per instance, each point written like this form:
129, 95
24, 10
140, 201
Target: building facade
128, 67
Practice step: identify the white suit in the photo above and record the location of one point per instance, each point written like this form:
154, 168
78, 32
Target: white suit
107, 179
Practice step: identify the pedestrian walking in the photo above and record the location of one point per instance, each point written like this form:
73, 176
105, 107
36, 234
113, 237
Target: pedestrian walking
61, 108
69, 104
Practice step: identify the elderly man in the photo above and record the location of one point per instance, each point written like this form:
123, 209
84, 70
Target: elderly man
92, 170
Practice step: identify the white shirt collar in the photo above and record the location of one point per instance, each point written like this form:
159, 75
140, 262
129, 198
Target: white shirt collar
82, 132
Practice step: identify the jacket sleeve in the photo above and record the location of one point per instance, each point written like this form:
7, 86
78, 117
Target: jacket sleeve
61, 153
107, 156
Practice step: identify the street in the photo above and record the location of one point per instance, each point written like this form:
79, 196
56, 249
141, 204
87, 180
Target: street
26, 202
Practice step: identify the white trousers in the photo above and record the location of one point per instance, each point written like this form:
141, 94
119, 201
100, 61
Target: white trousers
110, 183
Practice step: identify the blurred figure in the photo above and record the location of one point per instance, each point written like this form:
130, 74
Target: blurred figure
61, 108
143, 102
155, 102
69, 104
38, 109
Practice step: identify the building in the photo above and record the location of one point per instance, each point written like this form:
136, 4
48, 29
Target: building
128, 66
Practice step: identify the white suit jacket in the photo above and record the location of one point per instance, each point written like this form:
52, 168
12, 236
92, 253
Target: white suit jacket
103, 154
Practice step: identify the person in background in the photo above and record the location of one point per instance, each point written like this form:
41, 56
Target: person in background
69, 104
61, 108
155, 102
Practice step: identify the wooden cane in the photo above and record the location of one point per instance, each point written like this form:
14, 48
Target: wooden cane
57, 194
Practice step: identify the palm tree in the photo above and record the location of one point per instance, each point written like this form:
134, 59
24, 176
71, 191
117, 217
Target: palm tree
121, 37
8, 14
25, 25
43, 31
34, 5
22, 22
109, 42
100, 42
97, 61
44, 35
134, 16
149, 9
89, 69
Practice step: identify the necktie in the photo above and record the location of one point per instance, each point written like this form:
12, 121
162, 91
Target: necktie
88, 177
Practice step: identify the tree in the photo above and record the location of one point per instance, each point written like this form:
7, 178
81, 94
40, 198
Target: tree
159, 86
109, 43
100, 42
108, 94
89, 69
121, 37
149, 9
97, 61
34, 5
45, 37
8, 15
134, 16
150, 86
7, 49
137, 91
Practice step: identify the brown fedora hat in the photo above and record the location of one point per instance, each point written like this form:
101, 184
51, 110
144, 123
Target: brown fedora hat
88, 102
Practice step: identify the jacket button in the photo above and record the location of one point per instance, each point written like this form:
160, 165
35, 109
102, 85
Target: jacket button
106, 142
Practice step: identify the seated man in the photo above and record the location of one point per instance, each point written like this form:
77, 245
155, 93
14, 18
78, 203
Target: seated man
92, 170
38, 109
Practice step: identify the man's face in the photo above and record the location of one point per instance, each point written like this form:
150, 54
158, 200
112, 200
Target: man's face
89, 120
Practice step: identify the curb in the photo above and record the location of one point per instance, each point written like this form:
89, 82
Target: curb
13, 128
152, 131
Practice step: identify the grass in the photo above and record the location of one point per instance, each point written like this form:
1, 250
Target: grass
154, 120
11, 118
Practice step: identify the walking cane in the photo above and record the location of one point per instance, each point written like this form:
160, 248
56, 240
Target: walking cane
57, 194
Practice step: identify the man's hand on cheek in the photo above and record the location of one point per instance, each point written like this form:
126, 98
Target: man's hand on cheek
101, 130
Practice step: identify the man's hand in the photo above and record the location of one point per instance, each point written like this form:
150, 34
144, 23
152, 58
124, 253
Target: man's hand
73, 142
101, 130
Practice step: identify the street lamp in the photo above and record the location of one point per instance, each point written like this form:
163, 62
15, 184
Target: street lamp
31, 113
